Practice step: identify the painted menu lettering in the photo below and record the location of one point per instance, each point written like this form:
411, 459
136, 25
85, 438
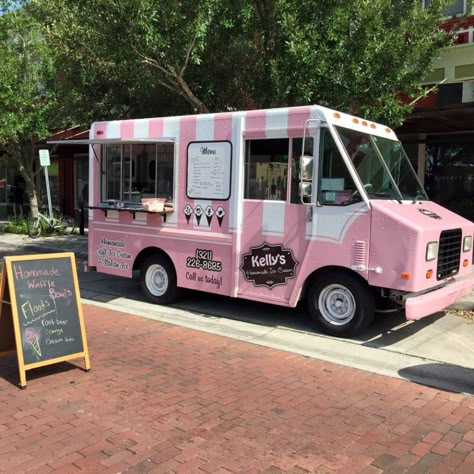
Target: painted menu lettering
209, 166
113, 254
203, 259
45, 301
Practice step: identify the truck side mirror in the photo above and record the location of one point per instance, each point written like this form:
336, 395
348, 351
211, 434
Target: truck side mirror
306, 191
306, 168
306, 178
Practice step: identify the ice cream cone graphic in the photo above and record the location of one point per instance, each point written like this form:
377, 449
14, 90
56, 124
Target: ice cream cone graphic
188, 212
209, 213
198, 212
220, 213
32, 337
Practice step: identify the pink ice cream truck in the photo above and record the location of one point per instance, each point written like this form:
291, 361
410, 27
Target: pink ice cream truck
274, 206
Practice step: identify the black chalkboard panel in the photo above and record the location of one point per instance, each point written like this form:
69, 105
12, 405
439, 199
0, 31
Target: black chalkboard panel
47, 308
45, 305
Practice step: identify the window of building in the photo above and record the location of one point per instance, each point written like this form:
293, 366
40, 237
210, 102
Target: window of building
134, 171
336, 186
456, 8
449, 176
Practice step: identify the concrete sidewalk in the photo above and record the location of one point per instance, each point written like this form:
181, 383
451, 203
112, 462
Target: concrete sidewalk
166, 399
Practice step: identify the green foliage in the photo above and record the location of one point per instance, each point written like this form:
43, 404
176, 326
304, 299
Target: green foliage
357, 55
16, 226
118, 57
27, 97
135, 58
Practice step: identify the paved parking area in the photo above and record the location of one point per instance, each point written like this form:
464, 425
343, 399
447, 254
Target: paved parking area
163, 398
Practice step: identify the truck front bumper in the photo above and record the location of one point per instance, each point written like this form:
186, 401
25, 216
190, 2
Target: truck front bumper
417, 307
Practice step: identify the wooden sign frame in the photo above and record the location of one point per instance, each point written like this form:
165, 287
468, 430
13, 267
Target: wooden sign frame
8, 297
7, 335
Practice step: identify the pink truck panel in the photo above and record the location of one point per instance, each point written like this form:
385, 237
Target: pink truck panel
418, 307
399, 237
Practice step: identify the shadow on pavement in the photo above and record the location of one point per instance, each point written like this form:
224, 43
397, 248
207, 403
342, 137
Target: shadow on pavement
452, 378
391, 328
9, 370
387, 329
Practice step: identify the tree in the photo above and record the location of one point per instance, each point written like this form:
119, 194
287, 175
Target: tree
29, 105
120, 55
358, 55
129, 58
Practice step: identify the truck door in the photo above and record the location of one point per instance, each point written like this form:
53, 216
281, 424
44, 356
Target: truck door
294, 225
277, 226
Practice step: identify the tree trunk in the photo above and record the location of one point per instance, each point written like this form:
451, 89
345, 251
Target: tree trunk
22, 153
33, 199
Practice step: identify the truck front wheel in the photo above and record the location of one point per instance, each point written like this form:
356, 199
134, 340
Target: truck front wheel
158, 280
341, 304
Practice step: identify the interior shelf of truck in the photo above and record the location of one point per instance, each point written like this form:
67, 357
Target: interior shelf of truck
133, 209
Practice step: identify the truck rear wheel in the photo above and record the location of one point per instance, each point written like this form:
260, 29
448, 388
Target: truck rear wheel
341, 304
158, 280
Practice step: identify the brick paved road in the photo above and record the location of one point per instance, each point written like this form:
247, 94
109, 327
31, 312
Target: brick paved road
162, 398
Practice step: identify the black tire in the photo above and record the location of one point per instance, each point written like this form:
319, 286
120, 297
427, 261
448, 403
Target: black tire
341, 304
34, 227
68, 223
158, 279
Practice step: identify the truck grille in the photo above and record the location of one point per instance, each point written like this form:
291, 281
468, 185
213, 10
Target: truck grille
449, 253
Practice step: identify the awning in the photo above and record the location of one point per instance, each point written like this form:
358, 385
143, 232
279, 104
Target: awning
427, 124
111, 141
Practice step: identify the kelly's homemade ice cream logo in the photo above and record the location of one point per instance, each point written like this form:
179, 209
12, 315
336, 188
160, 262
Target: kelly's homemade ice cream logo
268, 265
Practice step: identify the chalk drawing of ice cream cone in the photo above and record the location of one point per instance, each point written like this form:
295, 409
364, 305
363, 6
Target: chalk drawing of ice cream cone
198, 212
209, 213
188, 212
32, 337
220, 213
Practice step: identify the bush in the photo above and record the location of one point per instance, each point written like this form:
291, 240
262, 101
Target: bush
17, 225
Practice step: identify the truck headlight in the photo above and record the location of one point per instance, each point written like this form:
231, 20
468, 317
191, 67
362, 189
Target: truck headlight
431, 251
467, 244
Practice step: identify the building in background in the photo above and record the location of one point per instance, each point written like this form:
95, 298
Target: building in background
439, 134
68, 177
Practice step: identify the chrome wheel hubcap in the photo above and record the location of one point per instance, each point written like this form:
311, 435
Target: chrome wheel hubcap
337, 305
156, 280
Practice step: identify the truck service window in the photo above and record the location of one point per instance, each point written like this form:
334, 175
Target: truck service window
131, 172
111, 172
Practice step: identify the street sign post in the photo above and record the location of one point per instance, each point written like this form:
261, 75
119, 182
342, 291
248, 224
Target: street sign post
45, 162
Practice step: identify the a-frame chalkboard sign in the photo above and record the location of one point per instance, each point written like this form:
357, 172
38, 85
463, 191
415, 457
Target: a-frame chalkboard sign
40, 311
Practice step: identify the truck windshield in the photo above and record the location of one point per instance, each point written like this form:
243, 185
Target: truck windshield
382, 165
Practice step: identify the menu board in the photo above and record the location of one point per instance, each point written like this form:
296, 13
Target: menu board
209, 170
43, 294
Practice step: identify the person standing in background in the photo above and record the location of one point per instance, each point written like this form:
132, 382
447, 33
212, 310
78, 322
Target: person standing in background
18, 193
